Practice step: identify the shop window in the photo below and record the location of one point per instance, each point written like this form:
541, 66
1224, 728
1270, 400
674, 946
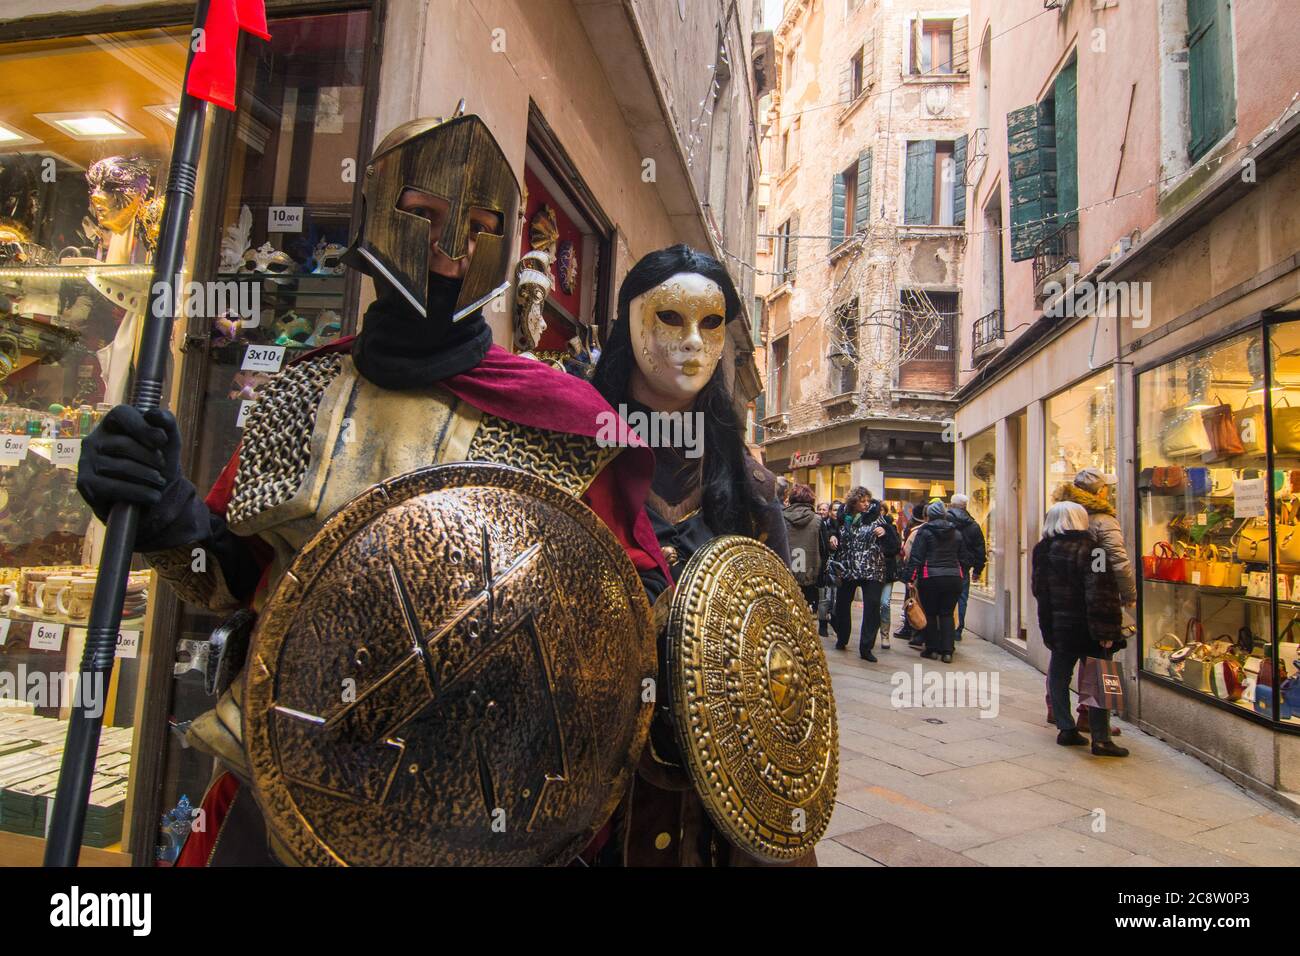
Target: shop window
1220, 532
981, 483
286, 213
930, 183
1080, 424
843, 359
927, 329
87, 135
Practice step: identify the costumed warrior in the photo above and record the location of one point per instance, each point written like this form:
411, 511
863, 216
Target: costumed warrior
427, 670
736, 628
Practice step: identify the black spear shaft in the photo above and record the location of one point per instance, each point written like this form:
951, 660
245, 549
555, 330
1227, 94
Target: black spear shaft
68, 819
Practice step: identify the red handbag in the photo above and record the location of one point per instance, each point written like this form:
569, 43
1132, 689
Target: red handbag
1163, 564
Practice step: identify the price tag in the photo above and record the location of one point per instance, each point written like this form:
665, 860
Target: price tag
1196, 577
128, 644
245, 407
13, 448
4, 629
46, 637
65, 451
263, 358
284, 219
1200, 518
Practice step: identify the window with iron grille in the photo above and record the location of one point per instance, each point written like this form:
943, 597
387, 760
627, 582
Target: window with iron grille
927, 339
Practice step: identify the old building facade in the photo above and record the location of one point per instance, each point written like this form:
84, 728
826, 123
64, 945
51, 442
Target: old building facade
1130, 285
861, 245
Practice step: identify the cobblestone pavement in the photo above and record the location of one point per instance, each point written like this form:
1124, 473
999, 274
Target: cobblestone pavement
945, 786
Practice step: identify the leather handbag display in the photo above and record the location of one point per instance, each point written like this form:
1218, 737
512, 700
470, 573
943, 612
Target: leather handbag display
1286, 428
1194, 566
1227, 679
1252, 542
1221, 431
1163, 564
1198, 480
1182, 434
1249, 423
1157, 659
1288, 531
1220, 571
1168, 480
1221, 480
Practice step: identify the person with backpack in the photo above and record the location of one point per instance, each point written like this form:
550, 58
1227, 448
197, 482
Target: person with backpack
973, 535
809, 542
936, 565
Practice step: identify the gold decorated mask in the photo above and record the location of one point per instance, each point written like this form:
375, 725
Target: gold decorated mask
678, 329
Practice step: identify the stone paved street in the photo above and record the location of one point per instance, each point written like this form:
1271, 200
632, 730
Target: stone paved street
942, 786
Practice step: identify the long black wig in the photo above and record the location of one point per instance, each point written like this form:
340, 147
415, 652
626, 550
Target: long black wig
729, 502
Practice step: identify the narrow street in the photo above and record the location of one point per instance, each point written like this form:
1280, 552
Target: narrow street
946, 786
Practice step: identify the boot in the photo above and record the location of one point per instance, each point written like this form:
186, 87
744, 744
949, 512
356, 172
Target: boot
1071, 738
1106, 748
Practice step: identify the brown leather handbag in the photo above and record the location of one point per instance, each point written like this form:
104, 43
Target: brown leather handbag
916, 618
1221, 430
1168, 480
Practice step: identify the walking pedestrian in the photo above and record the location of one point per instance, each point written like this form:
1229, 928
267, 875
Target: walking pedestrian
976, 553
808, 540
1079, 614
866, 541
827, 589
887, 591
935, 566
914, 639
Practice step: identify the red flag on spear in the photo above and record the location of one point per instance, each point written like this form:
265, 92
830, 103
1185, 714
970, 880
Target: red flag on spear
212, 72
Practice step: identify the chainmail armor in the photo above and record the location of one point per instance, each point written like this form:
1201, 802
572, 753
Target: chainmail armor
570, 461
276, 449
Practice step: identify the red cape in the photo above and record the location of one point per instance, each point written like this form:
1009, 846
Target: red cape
534, 394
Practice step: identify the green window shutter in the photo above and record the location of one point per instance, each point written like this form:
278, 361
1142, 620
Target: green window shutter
760, 413
862, 201
1067, 140
1210, 74
1031, 173
959, 181
837, 209
846, 82
792, 260
918, 176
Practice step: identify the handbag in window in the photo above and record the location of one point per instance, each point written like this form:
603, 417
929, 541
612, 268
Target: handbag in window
1182, 433
1252, 542
1286, 428
1221, 431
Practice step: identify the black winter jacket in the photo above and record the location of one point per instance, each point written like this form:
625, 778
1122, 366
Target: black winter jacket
938, 551
976, 557
1078, 607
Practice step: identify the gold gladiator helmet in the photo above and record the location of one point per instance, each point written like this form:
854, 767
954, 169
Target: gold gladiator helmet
457, 160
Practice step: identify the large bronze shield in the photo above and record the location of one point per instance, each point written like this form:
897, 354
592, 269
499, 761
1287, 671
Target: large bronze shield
751, 699
455, 670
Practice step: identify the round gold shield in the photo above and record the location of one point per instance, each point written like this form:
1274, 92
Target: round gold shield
453, 671
751, 697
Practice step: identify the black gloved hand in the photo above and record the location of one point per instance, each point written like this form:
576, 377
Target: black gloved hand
130, 457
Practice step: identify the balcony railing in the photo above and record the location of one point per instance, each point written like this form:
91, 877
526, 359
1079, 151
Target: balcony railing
987, 331
1056, 252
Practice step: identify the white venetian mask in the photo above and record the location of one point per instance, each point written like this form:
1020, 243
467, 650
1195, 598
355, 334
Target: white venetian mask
678, 330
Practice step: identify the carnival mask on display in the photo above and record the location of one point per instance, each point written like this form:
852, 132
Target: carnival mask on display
266, 258
292, 330
118, 187
532, 286
151, 214
678, 330
459, 162
328, 327
327, 259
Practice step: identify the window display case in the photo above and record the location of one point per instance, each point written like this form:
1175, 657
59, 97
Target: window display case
1080, 423
981, 484
1218, 496
86, 127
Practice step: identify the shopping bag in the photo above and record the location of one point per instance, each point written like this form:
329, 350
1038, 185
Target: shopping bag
825, 603
1102, 684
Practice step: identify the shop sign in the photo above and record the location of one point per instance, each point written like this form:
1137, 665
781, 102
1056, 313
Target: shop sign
1250, 498
808, 459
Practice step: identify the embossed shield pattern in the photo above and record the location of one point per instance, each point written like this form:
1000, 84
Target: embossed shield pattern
452, 672
751, 697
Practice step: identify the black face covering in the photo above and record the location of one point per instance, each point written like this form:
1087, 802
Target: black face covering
400, 349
